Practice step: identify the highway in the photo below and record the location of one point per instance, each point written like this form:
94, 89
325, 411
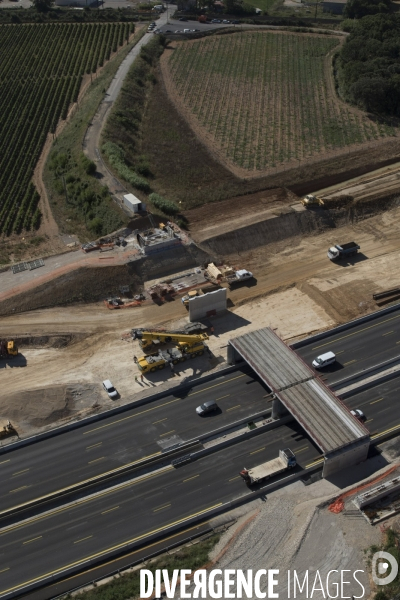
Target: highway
82, 453
379, 404
93, 526
361, 347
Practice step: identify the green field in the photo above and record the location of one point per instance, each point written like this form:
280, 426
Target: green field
40, 76
267, 98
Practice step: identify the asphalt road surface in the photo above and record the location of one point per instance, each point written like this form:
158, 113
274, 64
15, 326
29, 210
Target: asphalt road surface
144, 431
361, 347
93, 527
380, 406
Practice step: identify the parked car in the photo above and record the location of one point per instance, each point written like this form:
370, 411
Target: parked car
210, 406
110, 389
324, 360
359, 415
235, 22
182, 19
216, 21
226, 21
186, 31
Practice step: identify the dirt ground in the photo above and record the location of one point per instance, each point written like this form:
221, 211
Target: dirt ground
298, 291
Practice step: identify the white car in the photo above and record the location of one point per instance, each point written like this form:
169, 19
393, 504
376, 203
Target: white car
110, 389
359, 415
324, 360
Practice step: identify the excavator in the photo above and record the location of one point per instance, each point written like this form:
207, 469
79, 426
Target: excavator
149, 338
8, 349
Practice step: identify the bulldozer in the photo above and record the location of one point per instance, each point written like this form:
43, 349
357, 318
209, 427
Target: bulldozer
156, 361
8, 349
149, 338
311, 200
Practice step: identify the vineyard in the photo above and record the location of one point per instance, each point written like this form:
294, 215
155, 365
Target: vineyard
266, 99
40, 76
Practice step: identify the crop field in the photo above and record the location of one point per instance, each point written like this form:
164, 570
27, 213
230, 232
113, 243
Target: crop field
265, 99
41, 73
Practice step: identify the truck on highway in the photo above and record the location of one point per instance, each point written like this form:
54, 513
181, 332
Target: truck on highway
286, 460
338, 251
238, 277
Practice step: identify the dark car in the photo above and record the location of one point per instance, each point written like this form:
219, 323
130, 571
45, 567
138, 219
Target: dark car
207, 407
235, 22
182, 19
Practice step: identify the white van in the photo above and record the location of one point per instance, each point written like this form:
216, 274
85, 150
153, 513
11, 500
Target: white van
324, 360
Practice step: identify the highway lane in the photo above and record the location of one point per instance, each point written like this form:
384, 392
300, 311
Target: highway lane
358, 348
92, 527
85, 452
379, 404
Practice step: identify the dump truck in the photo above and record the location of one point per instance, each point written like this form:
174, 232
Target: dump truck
156, 361
149, 338
8, 349
339, 251
238, 277
311, 200
286, 460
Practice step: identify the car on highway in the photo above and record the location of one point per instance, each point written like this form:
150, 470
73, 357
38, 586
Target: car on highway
207, 407
324, 360
359, 415
110, 389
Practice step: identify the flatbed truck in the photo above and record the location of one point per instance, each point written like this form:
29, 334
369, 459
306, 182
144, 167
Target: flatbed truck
286, 460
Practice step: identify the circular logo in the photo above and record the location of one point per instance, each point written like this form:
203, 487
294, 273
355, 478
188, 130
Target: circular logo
380, 570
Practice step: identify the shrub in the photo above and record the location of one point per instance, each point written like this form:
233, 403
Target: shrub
166, 206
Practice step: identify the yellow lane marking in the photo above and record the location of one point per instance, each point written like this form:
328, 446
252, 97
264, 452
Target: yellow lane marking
110, 562
111, 549
168, 432
83, 539
94, 446
2, 463
357, 332
190, 478
233, 407
388, 333
19, 472
160, 421
109, 510
33, 539
314, 462
301, 450
71, 487
374, 401
396, 343
221, 397
259, 450
234, 478
3, 570
161, 405
18, 489
386, 431
161, 507
369, 421
349, 363
84, 500
95, 460
341, 352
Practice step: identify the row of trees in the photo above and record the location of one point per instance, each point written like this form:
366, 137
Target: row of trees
369, 64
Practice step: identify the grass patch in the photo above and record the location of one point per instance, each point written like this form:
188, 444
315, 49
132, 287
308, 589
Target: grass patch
190, 557
80, 204
390, 545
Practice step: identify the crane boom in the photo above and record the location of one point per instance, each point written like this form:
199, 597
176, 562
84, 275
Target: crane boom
147, 338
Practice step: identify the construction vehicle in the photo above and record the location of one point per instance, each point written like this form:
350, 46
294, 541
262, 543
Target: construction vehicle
286, 460
238, 277
190, 295
6, 429
8, 349
337, 251
149, 338
311, 200
156, 361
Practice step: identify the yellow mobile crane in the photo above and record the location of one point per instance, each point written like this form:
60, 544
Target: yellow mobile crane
148, 338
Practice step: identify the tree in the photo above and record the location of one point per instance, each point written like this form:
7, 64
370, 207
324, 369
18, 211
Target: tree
356, 9
42, 5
